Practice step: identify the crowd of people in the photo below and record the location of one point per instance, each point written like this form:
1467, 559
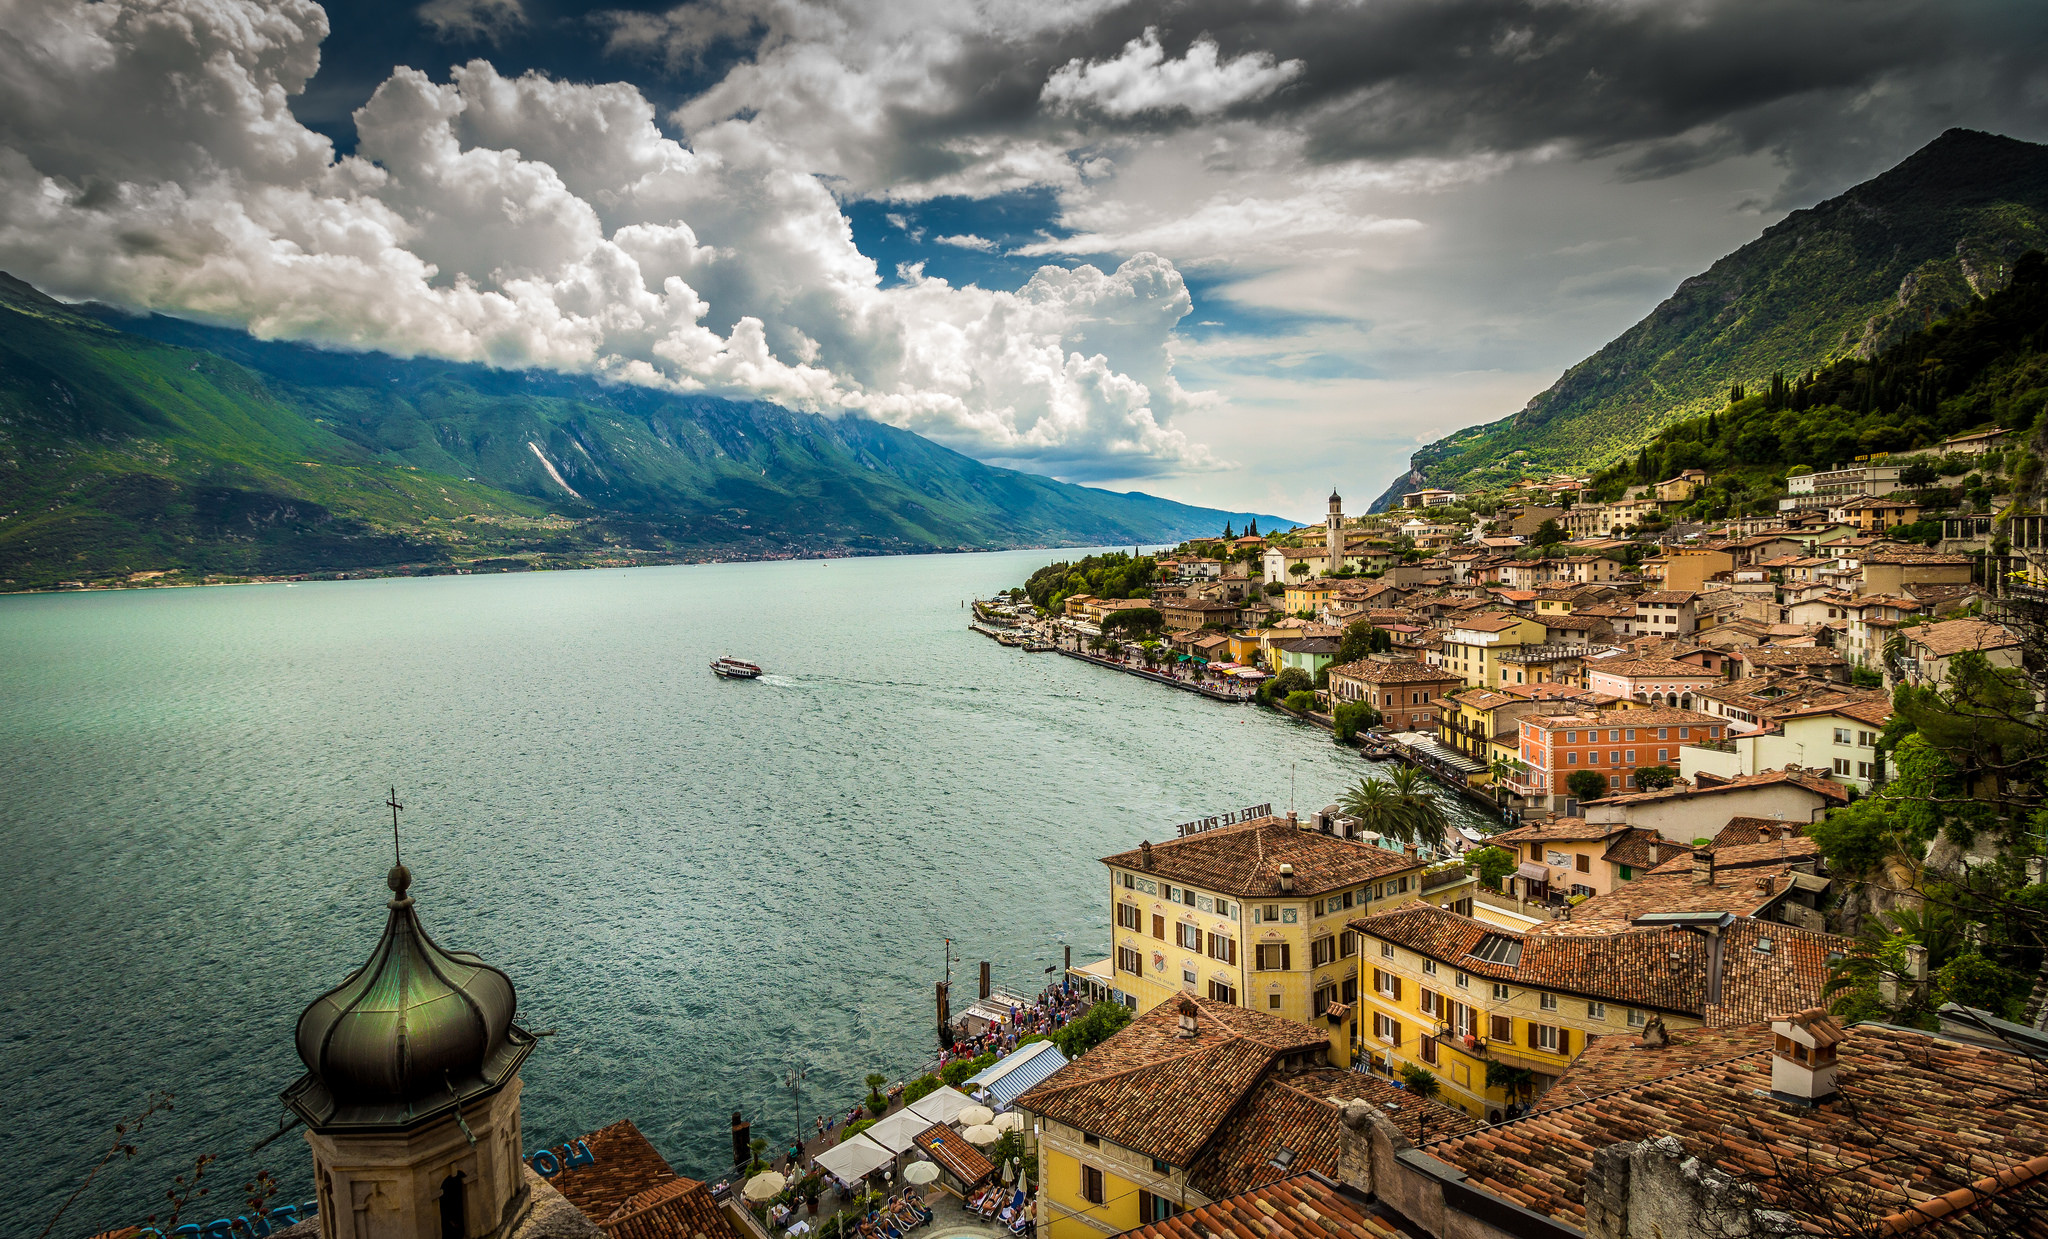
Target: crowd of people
1045, 1016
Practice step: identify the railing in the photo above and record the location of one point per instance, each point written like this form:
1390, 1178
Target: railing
1438, 879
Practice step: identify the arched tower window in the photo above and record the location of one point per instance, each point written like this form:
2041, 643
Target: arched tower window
453, 1225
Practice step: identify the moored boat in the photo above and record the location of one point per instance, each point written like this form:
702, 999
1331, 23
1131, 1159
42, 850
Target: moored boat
734, 669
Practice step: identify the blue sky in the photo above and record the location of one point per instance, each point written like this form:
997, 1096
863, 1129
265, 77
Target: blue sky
1230, 253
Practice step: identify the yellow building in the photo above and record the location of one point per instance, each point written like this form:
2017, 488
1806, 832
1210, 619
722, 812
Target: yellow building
1247, 647
1472, 645
1133, 1130
1309, 595
1457, 996
1254, 914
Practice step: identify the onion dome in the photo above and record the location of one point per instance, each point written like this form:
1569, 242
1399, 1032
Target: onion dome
415, 1032
1334, 498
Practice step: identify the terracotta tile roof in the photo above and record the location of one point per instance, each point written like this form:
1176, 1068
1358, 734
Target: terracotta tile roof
1616, 1062
625, 1165
1814, 782
1963, 1131
1741, 830
1245, 860
1798, 850
1670, 888
1558, 829
1302, 1206
1277, 1119
1663, 968
1673, 596
1640, 849
1419, 1118
678, 1209
954, 1154
1948, 637
1379, 671
1790, 656
1876, 711
1155, 1092
1488, 623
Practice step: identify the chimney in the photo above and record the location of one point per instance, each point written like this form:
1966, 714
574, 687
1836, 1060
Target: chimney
1784, 831
1803, 1056
1767, 884
1409, 850
1656, 853
1654, 1034
1293, 818
1145, 855
1702, 867
1287, 879
1190, 1017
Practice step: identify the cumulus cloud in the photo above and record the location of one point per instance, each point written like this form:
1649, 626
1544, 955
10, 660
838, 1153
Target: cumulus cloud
472, 21
1142, 79
148, 157
967, 241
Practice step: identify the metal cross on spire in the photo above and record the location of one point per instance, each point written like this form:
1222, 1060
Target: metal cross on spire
394, 806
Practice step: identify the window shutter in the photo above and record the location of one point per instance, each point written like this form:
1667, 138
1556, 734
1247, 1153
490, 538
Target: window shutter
1144, 1205
1286, 957
1532, 1036
1394, 1026
1397, 989
1564, 1041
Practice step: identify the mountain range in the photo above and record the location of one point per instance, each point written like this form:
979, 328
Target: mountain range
153, 447
1846, 278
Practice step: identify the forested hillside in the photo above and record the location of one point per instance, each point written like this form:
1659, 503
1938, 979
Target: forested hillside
1846, 278
1985, 366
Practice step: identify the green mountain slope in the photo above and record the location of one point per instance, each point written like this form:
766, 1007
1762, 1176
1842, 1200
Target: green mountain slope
133, 445
1848, 277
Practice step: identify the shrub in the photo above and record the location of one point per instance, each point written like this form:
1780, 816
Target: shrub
1651, 778
1495, 864
855, 1129
1419, 1080
1301, 702
1352, 717
920, 1088
1094, 1026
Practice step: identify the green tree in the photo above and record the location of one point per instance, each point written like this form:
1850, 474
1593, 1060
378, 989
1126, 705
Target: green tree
1548, 534
1918, 475
1585, 785
1495, 864
1301, 702
1095, 1025
1427, 824
1653, 778
1360, 639
876, 1103
1419, 1080
1299, 568
1291, 680
1135, 620
1350, 717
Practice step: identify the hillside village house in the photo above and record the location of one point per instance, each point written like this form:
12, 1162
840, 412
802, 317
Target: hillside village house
1676, 813
1307, 654
1453, 995
1253, 914
1472, 643
1929, 647
1655, 681
1838, 737
1568, 856
1409, 695
1197, 613
1309, 595
1891, 572
1612, 742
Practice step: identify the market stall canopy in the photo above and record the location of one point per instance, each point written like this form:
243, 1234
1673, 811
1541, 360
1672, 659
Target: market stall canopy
898, 1132
855, 1159
1007, 1080
942, 1105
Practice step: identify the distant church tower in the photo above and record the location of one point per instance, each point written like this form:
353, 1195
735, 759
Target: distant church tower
1334, 533
411, 1091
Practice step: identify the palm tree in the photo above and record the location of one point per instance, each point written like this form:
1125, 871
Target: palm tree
1376, 808
1423, 813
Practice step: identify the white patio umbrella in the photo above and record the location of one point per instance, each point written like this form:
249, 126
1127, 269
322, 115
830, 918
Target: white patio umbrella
764, 1186
980, 1133
974, 1115
920, 1172
1009, 1171
1012, 1121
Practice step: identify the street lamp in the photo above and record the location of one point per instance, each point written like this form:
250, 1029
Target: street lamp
793, 1080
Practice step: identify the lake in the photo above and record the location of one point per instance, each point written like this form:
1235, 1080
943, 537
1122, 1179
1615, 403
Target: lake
694, 882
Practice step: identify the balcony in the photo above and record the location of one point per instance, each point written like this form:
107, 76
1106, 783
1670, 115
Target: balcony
1437, 880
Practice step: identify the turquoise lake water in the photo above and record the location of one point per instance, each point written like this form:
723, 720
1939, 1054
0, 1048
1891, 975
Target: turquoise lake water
694, 882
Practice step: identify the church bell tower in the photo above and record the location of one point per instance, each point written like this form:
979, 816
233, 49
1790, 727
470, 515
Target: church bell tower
411, 1091
1334, 532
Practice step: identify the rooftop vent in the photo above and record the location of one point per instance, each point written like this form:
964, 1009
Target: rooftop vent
1287, 879
1803, 1056
1190, 1017
1145, 854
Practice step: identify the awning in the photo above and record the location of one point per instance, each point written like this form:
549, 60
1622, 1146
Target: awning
941, 1105
1008, 1079
855, 1159
954, 1155
1534, 872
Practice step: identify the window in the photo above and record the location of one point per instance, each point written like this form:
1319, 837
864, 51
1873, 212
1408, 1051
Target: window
1386, 950
1345, 900
1091, 1140
1128, 960
1631, 738
1223, 948
1549, 1037
1224, 908
1462, 981
1275, 957
1841, 735
1325, 995
1663, 755
1499, 949
1841, 765
1614, 735
1663, 733
1547, 1001
1386, 984
1429, 967
1188, 937
1571, 737
1158, 926
1272, 913
1631, 757
1222, 993
1685, 733
1188, 978
1166, 891
1584, 863
1571, 759
1636, 1019
1322, 951
1596, 1010
1862, 769
1318, 908
1500, 992
1127, 916
1430, 1002
1347, 944
1428, 1050
1272, 1002
1091, 1181
1386, 1030
1501, 1028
